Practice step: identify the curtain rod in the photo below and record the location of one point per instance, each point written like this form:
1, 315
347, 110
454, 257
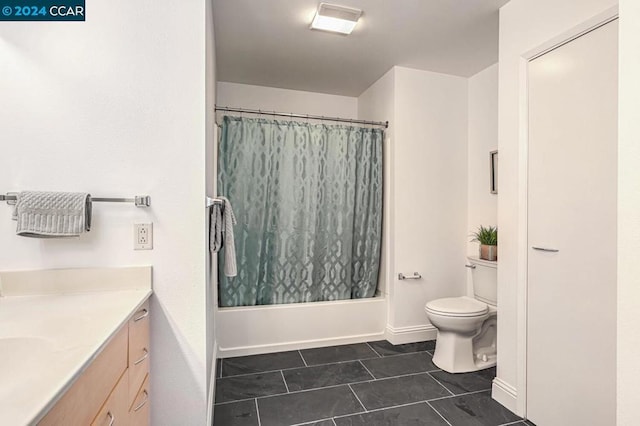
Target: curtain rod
384, 124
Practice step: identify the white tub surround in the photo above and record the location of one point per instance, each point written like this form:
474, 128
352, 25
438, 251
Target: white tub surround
273, 328
53, 324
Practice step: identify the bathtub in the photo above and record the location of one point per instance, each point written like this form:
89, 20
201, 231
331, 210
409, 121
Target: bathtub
251, 330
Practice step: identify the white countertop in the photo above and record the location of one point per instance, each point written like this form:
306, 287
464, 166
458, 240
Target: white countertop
47, 341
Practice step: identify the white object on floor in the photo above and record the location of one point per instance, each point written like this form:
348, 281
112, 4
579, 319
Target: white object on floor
466, 325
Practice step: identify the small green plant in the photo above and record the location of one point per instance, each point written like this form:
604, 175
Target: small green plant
487, 236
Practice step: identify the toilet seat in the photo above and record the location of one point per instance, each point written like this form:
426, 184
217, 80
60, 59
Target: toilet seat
457, 307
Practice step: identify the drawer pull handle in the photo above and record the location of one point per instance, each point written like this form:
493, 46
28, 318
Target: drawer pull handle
146, 354
145, 313
146, 398
111, 418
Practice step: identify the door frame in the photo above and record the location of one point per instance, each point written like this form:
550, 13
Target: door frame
577, 31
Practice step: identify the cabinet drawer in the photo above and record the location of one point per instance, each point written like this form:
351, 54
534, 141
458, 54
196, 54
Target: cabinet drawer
139, 350
115, 410
139, 414
79, 405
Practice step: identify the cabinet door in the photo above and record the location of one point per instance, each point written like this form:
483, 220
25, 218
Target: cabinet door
571, 324
115, 410
140, 410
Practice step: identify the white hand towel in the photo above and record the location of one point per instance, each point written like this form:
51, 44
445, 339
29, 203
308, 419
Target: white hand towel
52, 214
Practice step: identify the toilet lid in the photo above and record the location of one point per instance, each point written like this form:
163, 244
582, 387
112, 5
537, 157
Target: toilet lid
458, 306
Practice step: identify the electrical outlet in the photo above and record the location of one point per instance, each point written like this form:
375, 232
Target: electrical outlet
143, 236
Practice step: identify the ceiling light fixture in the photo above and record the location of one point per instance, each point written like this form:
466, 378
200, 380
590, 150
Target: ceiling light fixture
336, 19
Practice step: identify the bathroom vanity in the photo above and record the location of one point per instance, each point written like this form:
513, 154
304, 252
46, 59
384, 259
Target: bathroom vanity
74, 346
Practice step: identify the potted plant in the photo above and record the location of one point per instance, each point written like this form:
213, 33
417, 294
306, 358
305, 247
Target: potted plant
488, 239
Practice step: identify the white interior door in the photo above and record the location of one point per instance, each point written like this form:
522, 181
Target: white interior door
571, 324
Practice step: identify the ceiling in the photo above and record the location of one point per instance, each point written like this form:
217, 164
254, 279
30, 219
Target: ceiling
269, 43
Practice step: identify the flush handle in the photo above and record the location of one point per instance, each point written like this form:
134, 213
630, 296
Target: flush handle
551, 250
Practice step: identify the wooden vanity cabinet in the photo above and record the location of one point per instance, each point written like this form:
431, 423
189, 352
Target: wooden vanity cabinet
139, 353
114, 388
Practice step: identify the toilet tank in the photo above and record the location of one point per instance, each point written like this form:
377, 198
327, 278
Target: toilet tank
485, 280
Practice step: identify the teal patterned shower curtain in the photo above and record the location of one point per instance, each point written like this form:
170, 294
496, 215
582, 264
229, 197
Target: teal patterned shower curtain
308, 200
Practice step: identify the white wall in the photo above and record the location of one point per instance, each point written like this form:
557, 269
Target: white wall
482, 133
430, 191
524, 25
425, 193
116, 106
628, 206
377, 103
285, 100
210, 156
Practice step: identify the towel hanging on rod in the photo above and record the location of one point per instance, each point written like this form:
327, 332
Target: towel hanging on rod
138, 200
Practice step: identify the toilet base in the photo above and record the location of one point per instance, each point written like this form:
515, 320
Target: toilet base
454, 353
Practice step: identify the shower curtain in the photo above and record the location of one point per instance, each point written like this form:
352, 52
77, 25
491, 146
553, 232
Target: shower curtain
308, 200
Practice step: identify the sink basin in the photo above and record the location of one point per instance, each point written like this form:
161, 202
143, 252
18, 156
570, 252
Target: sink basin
20, 349
26, 356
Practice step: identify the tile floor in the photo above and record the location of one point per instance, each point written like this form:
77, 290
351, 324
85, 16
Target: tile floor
366, 384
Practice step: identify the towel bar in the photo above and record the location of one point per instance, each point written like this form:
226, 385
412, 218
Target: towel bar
138, 200
212, 201
415, 276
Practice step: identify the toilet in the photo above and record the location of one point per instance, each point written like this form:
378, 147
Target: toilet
466, 325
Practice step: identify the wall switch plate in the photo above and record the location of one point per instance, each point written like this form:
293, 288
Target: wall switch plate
143, 236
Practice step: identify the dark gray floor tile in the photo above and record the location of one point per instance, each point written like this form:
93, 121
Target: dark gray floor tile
385, 348
325, 375
477, 409
249, 386
321, 423
261, 363
409, 415
332, 354
529, 423
219, 368
400, 364
308, 406
398, 391
462, 382
487, 373
241, 413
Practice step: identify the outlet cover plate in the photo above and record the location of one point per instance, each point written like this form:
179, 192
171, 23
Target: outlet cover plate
143, 236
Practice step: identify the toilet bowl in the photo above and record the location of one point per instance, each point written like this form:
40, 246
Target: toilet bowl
466, 339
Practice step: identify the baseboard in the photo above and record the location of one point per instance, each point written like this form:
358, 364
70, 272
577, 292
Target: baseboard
418, 333
505, 394
295, 345
212, 384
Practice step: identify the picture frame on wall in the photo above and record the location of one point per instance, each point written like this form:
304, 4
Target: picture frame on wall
493, 164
